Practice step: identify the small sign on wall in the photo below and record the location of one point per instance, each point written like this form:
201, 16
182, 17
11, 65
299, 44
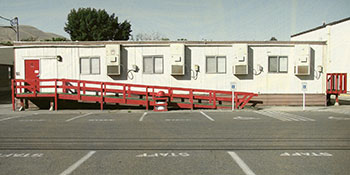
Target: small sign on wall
304, 86
233, 88
233, 85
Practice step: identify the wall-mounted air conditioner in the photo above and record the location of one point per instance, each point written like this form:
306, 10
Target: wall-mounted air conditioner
240, 69
177, 59
302, 59
113, 69
113, 59
302, 70
177, 70
240, 61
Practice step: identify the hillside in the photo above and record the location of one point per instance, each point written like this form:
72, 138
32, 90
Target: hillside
26, 32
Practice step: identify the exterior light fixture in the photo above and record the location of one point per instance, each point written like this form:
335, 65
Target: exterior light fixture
59, 58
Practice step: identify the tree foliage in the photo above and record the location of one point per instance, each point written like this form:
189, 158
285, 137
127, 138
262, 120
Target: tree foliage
89, 24
6, 43
155, 36
56, 39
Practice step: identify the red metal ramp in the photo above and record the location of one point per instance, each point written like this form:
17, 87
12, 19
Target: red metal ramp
122, 93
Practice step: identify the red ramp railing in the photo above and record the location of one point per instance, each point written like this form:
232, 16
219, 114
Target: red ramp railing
336, 83
122, 93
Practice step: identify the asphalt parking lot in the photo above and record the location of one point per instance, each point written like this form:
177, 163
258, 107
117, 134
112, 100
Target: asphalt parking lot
260, 142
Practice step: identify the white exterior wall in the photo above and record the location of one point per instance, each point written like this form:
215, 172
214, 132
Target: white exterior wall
266, 83
338, 46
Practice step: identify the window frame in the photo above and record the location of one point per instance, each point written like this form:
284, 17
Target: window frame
153, 64
90, 65
217, 65
278, 63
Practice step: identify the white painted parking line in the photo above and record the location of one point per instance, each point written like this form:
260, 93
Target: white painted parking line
177, 120
21, 155
80, 116
101, 120
245, 118
283, 116
266, 113
143, 116
163, 154
297, 117
32, 120
9, 118
306, 154
338, 118
207, 116
337, 111
78, 163
241, 163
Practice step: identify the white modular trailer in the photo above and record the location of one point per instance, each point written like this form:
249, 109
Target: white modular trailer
337, 36
267, 68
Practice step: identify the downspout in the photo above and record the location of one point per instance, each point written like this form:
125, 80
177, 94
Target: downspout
329, 46
327, 57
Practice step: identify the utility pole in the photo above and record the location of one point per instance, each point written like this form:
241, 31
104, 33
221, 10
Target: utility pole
13, 22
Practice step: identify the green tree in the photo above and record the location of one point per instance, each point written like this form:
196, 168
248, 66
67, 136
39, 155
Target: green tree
56, 39
89, 24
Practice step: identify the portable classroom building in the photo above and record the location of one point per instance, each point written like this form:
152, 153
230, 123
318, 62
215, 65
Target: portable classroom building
337, 36
273, 69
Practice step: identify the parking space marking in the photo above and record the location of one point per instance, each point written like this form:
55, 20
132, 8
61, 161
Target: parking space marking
163, 154
80, 116
21, 155
346, 112
143, 116
338, 118
283, 116
241, 163
245, 118
101, 120
177, 120
78, 163
32, 120
306, 154
272, 116
9, 118
208, 117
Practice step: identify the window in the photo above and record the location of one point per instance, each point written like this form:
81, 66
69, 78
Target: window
153, 64
216, 64
278, 64
90, 65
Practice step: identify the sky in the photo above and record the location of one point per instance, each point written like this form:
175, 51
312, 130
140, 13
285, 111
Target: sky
217, 20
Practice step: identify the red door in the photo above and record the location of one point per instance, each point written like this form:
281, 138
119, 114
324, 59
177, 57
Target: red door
32, 72
32, 69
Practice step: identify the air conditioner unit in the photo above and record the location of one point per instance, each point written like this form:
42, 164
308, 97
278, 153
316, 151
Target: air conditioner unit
302, 70
240, 69
177, 59
113, 69
177, 70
